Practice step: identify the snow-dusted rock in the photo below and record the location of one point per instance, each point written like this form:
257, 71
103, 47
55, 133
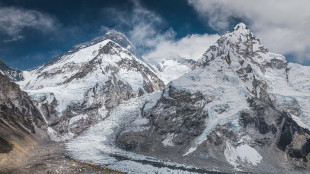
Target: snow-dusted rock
10, 73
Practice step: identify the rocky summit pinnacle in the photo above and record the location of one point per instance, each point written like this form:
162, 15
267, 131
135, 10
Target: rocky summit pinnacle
242, 44
242, 29
240, 26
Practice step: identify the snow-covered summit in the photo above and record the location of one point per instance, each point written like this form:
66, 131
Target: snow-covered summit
286, 83
86, 83
242, 44
113, 35
238, 97
241, 27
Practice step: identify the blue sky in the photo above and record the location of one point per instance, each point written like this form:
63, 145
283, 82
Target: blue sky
32, 32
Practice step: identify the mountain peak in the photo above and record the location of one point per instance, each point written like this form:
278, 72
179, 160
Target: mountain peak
243, 43
242, 30
112, 35
240, 26
119, 38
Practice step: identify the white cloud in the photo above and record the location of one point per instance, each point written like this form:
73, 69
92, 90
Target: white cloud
283, 26
147, 34
146, 31
14, 20
189, 47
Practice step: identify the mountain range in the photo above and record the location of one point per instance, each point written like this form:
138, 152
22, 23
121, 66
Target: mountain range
239, 108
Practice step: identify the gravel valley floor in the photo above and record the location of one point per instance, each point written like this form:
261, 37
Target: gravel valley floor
52, 158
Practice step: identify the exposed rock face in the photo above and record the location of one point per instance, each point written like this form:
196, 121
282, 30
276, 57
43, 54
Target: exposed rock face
81, 86
172, 121
240, 105
5, 146
20, 120
11, 74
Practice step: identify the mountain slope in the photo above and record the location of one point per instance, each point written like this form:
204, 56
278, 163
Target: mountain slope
238, 98
11, 74
112, 35
170, 69
21, 124
97, 145
81, 86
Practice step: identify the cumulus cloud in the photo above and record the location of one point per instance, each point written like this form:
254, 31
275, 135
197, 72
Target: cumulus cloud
283, 26
14, 20
189, 47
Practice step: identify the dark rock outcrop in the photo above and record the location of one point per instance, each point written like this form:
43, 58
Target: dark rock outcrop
19, 118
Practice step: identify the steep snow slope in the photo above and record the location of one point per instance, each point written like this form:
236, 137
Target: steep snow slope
170, 69
78, 88
238, 97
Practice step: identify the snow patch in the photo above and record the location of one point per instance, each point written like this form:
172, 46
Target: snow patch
168, 140
190, 150
241, 154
